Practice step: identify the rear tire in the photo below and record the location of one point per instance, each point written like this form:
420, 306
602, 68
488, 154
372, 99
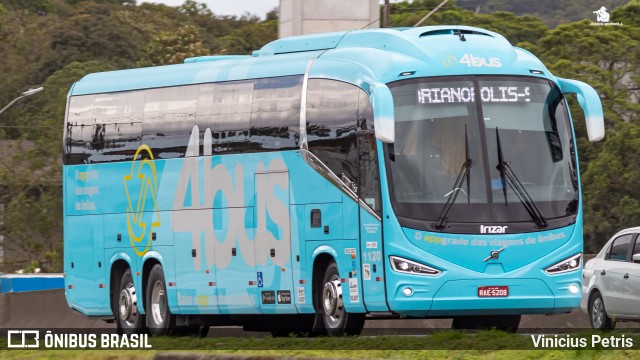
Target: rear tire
337, 320
598, 315
507, 323
128, 318
160, 321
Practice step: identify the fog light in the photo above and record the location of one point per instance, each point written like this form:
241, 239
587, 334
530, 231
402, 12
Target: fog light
407, 291
573, 289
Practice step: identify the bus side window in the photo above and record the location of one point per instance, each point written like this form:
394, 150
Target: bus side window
332, 119
79, 132
369, 186
275, 114
225, 109
169, 117
118, 126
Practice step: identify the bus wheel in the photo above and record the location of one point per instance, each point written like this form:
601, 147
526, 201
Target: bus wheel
159, 319
337, 320
507, 323
128, 319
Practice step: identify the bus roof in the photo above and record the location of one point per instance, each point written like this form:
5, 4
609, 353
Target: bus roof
357, 56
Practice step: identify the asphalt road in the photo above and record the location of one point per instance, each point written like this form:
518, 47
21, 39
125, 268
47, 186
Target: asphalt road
48, 309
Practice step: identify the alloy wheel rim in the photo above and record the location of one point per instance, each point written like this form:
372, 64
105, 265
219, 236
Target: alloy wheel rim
128, 305
597, 313
158, 303
332, 301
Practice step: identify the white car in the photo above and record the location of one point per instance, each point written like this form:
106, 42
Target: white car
611, 281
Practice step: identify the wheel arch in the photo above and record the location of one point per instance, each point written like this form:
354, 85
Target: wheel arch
595, 290
322, 257
150, 259
120, 262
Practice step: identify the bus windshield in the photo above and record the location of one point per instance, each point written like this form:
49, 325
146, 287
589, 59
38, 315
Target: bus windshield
461, 134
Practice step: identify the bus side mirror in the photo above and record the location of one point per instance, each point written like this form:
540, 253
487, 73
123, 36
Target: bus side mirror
383, 119
636, 258
590, 103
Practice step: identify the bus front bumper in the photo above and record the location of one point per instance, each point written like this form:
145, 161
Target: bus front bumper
460, 297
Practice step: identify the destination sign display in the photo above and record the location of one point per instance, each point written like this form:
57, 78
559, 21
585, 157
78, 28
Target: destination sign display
489, 94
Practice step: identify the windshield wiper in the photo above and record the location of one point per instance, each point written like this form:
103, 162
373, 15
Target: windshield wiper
465, 173
508, 176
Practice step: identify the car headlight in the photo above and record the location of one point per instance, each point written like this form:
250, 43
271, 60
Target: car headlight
569, 264
411, 267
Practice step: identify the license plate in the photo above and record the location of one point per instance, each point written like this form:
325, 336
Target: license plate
493, 291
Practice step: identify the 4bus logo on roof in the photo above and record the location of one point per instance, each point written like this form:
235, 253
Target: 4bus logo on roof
479, 61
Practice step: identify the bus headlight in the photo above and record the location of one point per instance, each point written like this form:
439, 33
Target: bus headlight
411, 267
569, 264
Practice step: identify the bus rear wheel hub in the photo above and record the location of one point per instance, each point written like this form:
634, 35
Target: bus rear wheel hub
332, 298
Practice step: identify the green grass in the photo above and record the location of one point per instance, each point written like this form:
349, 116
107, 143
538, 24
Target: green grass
442, 345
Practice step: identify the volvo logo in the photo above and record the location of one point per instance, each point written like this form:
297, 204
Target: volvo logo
494, 254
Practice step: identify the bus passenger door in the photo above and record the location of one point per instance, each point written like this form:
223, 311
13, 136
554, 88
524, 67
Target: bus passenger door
273, 243
371, 246
237, 283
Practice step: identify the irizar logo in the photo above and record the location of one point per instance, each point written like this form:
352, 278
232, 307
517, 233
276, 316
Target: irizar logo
475, 61
485, 229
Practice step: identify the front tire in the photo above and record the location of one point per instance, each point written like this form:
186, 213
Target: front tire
598, 314
128, 318
337, 320
160, 321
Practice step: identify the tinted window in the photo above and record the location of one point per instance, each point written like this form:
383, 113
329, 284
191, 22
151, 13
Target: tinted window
225, 109
620, 248
369, 176
169, 117
332, 114
118, 126
275, 114
80, 129
636, 247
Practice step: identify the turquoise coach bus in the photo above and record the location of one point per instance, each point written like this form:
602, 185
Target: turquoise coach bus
424, 172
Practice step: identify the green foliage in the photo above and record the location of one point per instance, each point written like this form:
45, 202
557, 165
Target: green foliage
515, 28
191, 7
247, 38
552, 12
612, 194
173, 47
628, 14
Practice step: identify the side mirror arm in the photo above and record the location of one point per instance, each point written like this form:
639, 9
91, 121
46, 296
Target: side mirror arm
590, 103
383, 112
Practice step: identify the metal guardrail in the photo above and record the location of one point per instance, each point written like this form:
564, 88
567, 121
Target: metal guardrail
30, 282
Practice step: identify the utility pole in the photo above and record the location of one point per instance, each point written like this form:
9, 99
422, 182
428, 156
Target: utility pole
386, 13
429, 14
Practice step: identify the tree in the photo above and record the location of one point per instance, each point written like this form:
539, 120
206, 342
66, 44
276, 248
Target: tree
515, 28
247, 38
191, 7
31, 173
611, 192
173, 47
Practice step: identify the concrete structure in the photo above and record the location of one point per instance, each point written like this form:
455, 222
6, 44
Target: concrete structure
301, 17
